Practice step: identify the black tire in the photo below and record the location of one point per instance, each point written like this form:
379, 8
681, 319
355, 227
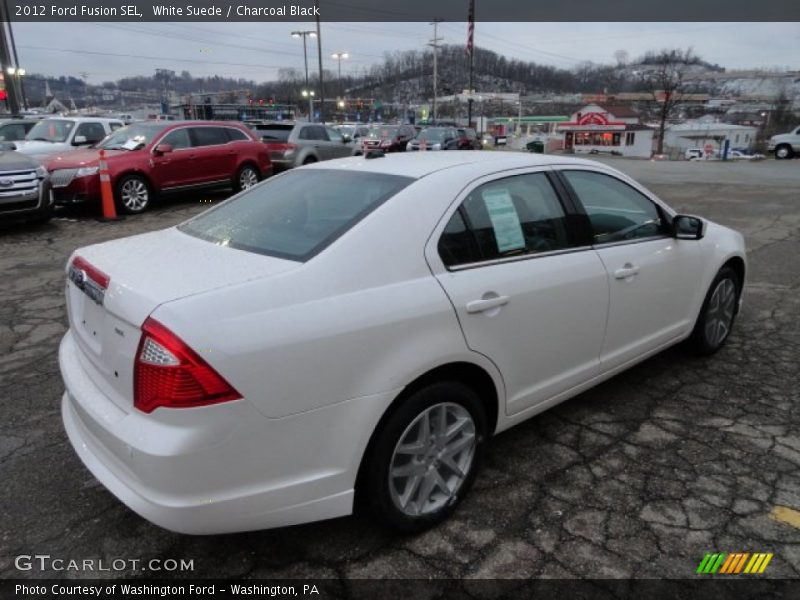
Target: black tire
375, 487
707, 339
126, 188
783, 151
309, 160
246, 177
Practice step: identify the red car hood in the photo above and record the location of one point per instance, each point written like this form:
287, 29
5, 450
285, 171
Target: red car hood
75, 159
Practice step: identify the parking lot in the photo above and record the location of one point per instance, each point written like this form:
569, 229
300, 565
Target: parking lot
639, 477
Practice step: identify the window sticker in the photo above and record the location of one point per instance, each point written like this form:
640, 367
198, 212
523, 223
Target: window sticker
505, 220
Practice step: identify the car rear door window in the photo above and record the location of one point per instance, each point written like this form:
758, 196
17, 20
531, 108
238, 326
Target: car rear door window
236, 135
508, 217
314, 132
208, 136
617, 212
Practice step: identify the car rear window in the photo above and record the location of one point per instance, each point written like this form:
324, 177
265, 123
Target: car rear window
295, 215
279, 133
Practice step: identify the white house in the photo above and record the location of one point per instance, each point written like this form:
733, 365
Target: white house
708, 133
608, 129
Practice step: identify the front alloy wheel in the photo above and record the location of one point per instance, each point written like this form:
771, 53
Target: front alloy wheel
718, 313
134, 194
783, 152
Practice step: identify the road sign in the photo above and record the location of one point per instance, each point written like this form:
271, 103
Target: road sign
708, 149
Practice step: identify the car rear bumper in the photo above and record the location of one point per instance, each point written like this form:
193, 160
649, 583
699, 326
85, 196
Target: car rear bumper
220, 468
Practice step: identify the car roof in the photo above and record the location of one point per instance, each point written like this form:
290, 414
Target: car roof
82, 119
421, 164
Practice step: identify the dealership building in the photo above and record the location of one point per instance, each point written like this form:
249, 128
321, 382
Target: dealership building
607, 129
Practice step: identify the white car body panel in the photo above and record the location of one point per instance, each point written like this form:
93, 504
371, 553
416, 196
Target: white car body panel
320, 350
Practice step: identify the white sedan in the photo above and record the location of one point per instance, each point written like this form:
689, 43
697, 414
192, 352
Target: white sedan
358, 329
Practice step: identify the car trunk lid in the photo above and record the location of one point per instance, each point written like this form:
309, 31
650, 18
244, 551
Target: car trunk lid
144, 272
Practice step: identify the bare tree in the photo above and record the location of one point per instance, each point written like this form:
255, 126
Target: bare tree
664, 81
621, 56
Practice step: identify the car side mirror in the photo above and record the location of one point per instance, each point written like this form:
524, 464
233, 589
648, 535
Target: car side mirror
162, 149
79, 140
687, 227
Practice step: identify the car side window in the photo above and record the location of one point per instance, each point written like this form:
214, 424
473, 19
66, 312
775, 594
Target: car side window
114, 125
616, 211
334, 135
177, 138
93, 132
511, 216
236, 135
208, 136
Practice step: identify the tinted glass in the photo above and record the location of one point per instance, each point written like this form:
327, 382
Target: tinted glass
275, 133
235, 135
93, 132
313, 132
508, 217
334, 135
12, 132
208, 136
382, 132
617, 211
295, 215
178, 138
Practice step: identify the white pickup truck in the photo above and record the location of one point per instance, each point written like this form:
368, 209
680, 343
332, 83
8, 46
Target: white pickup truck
785, 145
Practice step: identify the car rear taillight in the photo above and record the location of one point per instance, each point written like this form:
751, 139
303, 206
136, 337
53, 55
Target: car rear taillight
168, 373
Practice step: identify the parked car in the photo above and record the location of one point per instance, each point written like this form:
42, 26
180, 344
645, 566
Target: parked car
468, 139
360, 328
435, 138
293, 144
14, 130
154, 157
694, 154
24, 189
785, 145
389, 138
60, 134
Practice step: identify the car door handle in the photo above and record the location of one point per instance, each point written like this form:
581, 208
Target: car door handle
627, 270
476, 306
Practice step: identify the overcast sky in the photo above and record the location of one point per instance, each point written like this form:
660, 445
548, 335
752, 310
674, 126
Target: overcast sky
108, 51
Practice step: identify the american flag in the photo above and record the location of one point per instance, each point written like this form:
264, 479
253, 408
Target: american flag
470, 26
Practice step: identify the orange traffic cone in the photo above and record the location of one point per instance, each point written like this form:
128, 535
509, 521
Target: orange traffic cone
106, 193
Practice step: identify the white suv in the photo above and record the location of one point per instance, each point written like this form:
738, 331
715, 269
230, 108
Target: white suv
61, 134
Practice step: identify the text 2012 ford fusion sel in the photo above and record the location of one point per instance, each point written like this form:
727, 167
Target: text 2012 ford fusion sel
359, 328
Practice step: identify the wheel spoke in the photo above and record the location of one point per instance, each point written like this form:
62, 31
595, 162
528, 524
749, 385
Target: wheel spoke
448, 462
411, 487
457, 446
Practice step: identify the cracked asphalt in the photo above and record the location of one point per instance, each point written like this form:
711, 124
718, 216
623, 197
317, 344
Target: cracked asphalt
636, 478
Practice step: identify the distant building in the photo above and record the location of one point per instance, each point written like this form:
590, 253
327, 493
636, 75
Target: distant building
708, 131
606, 128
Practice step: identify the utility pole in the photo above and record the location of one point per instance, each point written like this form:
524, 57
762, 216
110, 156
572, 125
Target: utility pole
471, 50
319, 56
434, 43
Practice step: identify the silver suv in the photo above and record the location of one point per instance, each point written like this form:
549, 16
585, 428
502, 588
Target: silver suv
294, 144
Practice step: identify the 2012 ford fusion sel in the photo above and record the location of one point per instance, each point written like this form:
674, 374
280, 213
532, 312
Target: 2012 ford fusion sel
353, 332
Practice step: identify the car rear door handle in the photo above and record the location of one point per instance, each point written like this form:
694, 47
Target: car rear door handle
477, 306
627, 270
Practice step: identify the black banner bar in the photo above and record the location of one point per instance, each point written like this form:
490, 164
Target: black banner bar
408, 10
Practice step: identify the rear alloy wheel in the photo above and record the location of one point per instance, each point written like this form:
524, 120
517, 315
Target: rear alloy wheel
133, 194
783, 151
426, 456
718, 313
246, 178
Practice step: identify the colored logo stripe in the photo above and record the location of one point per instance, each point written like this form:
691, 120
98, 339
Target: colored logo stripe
734, 563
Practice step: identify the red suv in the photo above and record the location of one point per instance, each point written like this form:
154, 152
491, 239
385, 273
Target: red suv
154, 157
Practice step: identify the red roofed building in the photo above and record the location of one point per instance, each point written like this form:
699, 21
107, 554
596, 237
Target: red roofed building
604, 128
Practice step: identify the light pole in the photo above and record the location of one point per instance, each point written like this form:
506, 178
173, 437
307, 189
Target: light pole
304, 35
310, 95
18, 73
339, 56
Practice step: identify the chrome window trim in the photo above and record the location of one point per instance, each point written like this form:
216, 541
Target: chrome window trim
518, 258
